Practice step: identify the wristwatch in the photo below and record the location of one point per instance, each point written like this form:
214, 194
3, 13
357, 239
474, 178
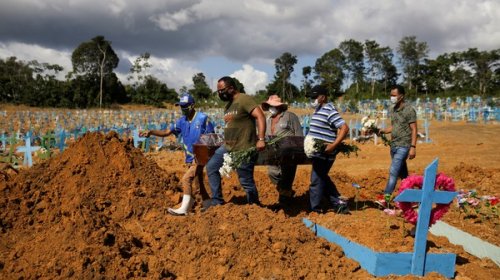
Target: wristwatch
413, 146
262, 139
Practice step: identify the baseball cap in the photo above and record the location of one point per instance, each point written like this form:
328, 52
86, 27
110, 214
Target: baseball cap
317, 91
185, 100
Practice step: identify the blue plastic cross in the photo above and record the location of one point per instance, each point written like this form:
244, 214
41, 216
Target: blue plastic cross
61, 143
426, 128
27, 150
427, 196
138, 139
3, 138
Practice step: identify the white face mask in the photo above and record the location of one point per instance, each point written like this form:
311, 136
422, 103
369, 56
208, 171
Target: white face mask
394, 99
273, 111
315, 103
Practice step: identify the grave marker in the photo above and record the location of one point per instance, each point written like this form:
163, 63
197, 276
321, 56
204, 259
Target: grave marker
27, 149
417, 263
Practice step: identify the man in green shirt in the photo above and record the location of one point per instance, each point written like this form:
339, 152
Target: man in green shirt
242, 117
403, 131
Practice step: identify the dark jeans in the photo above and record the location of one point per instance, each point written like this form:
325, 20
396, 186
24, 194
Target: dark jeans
321, 184
398, 167
282, 175
245, 176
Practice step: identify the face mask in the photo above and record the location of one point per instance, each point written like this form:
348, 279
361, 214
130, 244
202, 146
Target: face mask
315, 103
394, 99
186, 111
273, 111
225, 96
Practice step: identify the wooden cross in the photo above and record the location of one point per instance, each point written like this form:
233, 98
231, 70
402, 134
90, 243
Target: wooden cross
3, 138
27, 150
137, 139
61, 143
426, 197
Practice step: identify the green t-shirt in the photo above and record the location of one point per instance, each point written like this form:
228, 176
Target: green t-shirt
401, 119
240, 132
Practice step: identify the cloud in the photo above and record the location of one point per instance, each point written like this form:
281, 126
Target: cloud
26, 53
171, 71
181, 33
253, 80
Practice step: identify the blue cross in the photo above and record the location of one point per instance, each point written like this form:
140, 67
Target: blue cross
426, 128
61, 143
4, 138
138, 139
427, 196
27, 150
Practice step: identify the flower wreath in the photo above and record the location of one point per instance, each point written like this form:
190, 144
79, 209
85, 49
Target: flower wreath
443, 183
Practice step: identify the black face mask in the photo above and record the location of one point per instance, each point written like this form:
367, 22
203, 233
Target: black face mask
186, 111
225, 96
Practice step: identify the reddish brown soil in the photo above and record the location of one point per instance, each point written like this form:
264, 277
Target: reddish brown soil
98, 211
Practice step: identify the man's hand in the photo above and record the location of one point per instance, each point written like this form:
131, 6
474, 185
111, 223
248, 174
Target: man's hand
145, 133
329, 148
412, 153
261, 144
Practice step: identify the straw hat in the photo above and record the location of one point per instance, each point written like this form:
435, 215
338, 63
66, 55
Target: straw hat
274, 101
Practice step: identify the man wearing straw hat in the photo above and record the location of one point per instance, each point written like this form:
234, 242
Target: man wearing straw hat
190, 127
281, 122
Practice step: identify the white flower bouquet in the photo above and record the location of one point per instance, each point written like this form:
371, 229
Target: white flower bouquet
370, 126
233, 160
314, 146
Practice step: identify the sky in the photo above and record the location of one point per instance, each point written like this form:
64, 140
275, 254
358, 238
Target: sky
238, 38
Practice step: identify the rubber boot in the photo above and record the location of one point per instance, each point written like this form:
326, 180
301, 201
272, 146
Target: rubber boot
186, 205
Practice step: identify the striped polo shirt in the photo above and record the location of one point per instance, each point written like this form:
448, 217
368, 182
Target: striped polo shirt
324, 123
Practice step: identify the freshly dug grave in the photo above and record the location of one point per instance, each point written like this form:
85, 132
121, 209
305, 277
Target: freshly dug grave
97, 210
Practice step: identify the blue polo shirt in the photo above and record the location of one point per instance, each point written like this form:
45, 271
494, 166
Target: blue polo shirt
190, 132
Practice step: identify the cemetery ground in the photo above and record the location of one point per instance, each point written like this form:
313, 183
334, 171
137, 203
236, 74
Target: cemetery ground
98, 210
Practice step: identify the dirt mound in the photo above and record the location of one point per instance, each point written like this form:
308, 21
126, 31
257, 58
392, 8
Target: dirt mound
97, 210
57, 215
470, 177
238, 241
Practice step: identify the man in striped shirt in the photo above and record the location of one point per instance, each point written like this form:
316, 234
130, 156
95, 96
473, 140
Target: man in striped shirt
326, 125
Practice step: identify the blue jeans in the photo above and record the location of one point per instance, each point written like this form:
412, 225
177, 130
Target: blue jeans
398, 167
245, 176
321, 184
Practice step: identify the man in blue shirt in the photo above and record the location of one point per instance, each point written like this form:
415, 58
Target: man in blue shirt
190, 127
329, 127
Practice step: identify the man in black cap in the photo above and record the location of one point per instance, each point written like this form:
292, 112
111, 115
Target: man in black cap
329, 127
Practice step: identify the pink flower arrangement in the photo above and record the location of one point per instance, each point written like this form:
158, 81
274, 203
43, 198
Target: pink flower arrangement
443, 183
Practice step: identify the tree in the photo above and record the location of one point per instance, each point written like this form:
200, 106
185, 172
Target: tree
284, 69
306, 81
200, 90
411, 55
329, 71
154, 92
379, 66
16, 80
436, 73
95, 58
354, 61
139, 69
483, 65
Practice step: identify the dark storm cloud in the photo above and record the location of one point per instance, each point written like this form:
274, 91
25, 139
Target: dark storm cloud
245, 31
